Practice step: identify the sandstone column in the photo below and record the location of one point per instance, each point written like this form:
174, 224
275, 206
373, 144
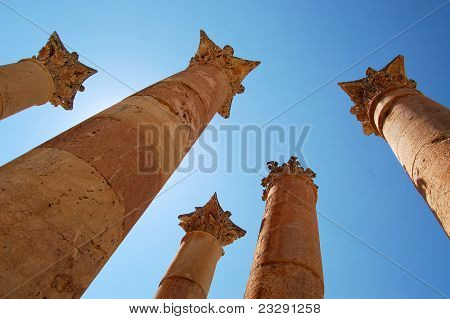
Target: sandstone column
55, 75
66, 205
190, 274
287, 262
416, 128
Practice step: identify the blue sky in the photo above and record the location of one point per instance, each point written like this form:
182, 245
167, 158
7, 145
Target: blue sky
306, 47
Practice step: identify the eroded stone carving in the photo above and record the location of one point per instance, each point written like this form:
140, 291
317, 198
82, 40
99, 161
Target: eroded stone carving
363, 91
67, 72
292, 167
212, 219
234, 68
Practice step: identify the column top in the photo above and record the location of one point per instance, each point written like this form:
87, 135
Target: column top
363, 92
212, 219
67, 72
234, 68
292, 167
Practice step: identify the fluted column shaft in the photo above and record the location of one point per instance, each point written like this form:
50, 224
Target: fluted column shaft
68, 204
191, 272
416, 128
287, 262
55, 76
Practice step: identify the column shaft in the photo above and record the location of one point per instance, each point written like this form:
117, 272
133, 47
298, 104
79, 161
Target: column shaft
113, 144
418, 131
416, 128
22, 85
287, 262
191, 272
101, 180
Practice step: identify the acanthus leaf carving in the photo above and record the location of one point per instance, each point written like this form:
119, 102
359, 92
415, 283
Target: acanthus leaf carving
67, 72
234, 68
292, 167
212, 219
362, 92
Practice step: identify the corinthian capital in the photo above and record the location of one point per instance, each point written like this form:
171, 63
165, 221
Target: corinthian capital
212, 219
292, 167
234, 68
362, 92
67, 72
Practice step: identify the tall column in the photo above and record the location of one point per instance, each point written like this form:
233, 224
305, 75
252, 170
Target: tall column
416, 128
287, 262
190, 274
55, 75
68, 204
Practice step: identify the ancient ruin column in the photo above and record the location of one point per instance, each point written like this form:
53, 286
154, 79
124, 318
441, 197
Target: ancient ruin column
54, 76
287, 262
66, 205
190, 274
416, 128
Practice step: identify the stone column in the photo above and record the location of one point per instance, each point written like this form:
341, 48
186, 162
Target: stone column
68, 204
287, 262
54, 76
416, 128
190, 274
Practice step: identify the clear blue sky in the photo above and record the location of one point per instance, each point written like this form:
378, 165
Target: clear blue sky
302, 45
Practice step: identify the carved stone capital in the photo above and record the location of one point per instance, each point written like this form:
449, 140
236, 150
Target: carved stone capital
67, 72
292, 167
362, 92
212, 219
234, 68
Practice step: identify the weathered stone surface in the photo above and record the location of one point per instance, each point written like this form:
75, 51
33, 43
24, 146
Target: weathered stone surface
284, 281
180, 288
435, 190
280, 246
179, 101
58, 225
287, 262
207, 230
112, 147
416, 128
55, 75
